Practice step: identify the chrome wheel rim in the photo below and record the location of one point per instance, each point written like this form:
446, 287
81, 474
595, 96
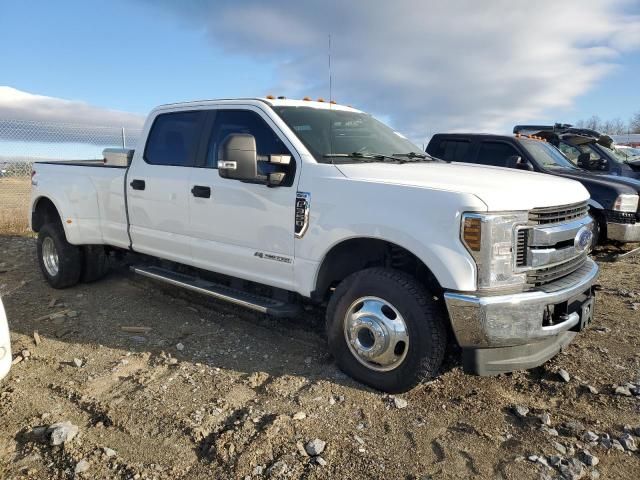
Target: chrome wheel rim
50, 256
376, 334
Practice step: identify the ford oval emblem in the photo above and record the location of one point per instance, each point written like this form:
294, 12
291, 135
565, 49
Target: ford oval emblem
583, 239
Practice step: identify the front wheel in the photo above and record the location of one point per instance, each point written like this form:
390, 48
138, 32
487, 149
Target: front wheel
60, 262
385, 330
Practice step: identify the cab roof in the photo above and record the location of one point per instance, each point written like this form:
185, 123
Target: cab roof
273, 102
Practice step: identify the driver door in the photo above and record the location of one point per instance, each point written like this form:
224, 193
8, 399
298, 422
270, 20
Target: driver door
243, 229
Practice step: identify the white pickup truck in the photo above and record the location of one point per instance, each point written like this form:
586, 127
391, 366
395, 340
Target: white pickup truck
5, 344
269, 203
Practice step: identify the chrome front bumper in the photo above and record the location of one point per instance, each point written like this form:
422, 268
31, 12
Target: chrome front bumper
516, 319
623, 232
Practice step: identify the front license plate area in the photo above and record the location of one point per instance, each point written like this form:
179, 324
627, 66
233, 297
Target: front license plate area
586, 313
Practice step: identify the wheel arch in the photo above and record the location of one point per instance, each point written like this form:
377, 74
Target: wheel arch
43, 211
354, 254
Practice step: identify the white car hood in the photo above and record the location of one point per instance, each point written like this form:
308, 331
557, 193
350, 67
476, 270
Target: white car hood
5, 346
499, 188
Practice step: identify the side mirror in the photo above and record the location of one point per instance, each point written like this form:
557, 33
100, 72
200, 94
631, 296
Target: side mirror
584, 161
516, 161
603, 164
237, 157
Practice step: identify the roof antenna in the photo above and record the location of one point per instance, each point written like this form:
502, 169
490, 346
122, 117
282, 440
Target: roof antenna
330, 102
330, 82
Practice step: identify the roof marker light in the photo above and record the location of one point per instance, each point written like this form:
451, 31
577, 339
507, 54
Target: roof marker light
270, 97
333, 102
282, 97
306, 99
321, 100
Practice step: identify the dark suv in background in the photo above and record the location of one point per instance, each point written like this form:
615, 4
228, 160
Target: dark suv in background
614, 200
587, 149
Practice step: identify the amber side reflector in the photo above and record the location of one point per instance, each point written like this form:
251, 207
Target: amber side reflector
472, 233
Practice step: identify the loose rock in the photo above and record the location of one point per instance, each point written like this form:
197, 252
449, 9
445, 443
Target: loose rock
572, 470
109, 452
299, 416
400, 402
77, 362
520, 411
589, 459
321, 461
564, 375
628, 442
315, 447
62, 432
180, 347
545, 419
560, 448
82, 466
622, 390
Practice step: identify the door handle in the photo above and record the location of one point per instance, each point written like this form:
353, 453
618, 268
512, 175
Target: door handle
138, 184
201, 191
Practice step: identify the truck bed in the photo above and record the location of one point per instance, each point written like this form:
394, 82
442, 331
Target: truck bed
90, 197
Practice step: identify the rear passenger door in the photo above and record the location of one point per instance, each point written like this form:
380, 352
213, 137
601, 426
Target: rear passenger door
495, 153
158, 186
452, 150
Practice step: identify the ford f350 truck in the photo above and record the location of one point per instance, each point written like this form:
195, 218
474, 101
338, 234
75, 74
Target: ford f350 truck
268, 203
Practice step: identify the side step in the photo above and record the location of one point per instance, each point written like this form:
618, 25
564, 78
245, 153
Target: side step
221, 292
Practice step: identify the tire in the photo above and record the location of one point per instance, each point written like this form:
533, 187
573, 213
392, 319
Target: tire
65, 270
95, 263
598, 221
424, 325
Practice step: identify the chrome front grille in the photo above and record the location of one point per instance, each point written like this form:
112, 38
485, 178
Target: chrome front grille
549, 274
563, 213
545, 248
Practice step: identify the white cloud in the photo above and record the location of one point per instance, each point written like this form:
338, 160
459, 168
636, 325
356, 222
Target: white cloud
18, 105
429, 65
56, 120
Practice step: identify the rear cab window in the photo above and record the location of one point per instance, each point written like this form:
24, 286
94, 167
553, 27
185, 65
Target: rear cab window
174, 138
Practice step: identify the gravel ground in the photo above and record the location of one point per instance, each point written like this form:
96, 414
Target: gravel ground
203, 390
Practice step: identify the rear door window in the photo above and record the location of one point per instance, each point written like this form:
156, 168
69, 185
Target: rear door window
174, 138
451, 150
495, 153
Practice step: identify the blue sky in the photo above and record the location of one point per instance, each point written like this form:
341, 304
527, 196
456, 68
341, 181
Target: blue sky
123, 55
419, 64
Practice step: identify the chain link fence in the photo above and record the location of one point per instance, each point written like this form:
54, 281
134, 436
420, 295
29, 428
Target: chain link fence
23, 142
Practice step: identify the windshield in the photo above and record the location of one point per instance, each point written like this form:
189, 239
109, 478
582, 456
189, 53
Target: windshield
338, 132
625, 154
547, 156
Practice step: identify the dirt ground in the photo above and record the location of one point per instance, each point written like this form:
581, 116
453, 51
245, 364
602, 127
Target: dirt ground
209, 391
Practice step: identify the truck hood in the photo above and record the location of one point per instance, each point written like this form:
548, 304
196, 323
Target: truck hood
499, 188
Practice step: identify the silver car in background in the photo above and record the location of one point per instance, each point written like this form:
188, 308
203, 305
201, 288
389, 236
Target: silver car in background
5, 345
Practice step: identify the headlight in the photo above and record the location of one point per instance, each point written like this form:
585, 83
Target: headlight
626, 203
490, 240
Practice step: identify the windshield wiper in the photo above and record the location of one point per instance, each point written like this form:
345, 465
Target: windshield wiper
414, 156
371, 157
